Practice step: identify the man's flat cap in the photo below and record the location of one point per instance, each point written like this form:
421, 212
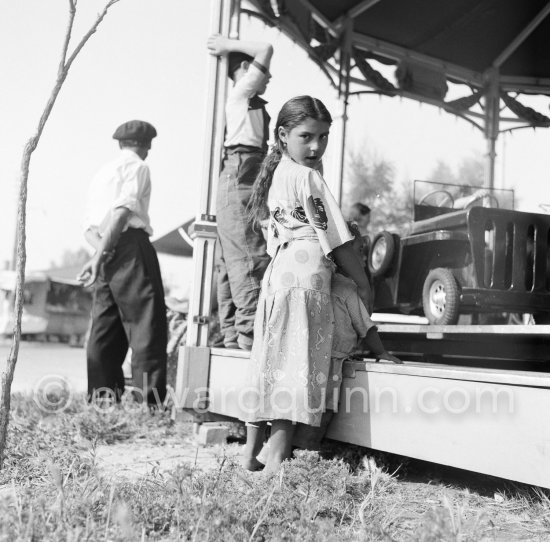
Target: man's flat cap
138, 130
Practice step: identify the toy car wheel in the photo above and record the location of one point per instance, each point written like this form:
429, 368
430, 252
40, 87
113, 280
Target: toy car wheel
381, 253
440, 297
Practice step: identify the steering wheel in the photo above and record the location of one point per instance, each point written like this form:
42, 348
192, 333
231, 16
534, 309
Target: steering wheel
442, 195
491, 200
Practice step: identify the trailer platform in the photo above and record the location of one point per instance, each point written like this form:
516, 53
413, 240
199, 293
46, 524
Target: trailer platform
481, 417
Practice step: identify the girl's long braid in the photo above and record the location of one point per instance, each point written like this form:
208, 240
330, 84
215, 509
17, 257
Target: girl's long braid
293, 112
257, 206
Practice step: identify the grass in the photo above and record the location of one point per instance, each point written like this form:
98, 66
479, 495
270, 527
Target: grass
53, 487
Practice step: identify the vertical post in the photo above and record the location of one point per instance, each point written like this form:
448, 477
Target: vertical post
492, 118
193, 362
235, 23
340, 122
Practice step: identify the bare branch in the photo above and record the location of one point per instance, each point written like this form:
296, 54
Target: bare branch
68, 32
90, 32
66, 64
6, 374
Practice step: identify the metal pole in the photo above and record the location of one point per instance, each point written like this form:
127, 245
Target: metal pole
492, 118
192, 376
340, 123
235, 23
205, 226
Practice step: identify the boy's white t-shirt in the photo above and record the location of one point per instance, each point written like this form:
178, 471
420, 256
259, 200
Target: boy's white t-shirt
245, 126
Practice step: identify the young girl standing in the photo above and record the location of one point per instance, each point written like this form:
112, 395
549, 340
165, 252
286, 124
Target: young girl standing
290, 357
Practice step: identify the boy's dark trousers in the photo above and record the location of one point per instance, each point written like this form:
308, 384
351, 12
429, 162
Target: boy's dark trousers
244, 257
129, 310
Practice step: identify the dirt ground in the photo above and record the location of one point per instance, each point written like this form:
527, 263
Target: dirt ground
498, 507
140, 457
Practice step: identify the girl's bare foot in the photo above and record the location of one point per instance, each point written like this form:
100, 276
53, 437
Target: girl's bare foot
251, 463
271, 471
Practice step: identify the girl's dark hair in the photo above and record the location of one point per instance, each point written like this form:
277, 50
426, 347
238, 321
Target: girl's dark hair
293, 113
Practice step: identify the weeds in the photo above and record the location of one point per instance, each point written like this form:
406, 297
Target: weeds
54, 488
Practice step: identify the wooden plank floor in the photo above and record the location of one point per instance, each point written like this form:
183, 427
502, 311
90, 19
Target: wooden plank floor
473, 344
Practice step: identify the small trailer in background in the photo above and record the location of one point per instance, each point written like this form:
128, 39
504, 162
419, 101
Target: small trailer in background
54, 308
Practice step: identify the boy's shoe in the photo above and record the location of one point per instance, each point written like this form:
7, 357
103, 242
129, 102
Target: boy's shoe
244, 343
218, 343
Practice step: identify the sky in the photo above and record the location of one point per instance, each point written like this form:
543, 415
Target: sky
148, 60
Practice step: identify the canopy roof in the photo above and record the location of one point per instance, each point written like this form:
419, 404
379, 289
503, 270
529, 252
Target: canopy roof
500, 44
176, 242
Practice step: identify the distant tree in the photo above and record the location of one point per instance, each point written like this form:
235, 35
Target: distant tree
73, 258
6, 372
370, 179
470, 172
367, 178
442, 173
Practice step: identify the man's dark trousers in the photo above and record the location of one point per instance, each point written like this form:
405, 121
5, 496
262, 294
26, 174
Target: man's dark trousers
129, 310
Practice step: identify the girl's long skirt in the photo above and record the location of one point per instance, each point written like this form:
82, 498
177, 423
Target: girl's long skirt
290, 358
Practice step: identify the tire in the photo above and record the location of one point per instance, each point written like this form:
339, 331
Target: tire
381, 254
441, 297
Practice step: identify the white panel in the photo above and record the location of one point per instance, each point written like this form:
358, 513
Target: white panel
495, 429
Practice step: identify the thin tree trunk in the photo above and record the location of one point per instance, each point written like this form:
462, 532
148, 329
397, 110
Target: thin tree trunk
6, 374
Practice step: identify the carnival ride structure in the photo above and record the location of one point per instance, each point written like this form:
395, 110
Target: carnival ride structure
471, 396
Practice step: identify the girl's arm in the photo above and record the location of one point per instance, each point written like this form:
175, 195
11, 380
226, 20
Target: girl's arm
348, 260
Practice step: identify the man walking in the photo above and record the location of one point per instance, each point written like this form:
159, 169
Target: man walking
128, 308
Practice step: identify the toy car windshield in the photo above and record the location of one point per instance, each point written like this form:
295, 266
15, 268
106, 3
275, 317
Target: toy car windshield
435, 198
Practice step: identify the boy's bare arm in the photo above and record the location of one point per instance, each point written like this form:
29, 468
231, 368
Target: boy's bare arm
259, 50
373, 343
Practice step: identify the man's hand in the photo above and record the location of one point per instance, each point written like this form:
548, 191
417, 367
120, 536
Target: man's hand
217, 45
90, 271
106, 247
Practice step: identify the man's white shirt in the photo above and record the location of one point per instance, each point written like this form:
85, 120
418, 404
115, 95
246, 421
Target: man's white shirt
123, 182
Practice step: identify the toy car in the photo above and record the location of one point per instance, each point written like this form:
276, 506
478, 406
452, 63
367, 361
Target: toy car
468, 252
